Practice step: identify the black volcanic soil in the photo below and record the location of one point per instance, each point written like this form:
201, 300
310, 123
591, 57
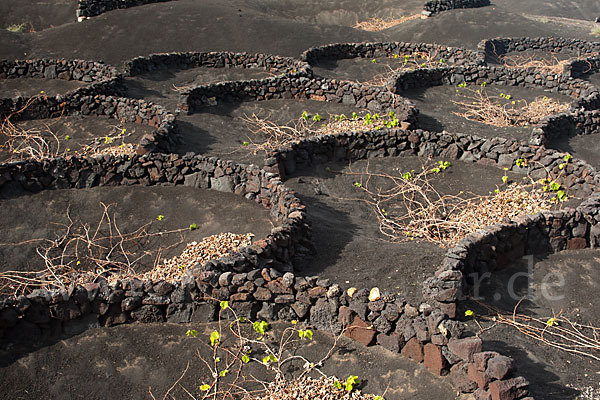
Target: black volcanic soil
584, 147
189, 25
221, 130
562, 285
467, 27
360, 69
27, 87
183, 25
437, 109
346, 232
131, 360
122, 362
162, 86
37, 15
73, 134
337, 12
44, 216
594, 79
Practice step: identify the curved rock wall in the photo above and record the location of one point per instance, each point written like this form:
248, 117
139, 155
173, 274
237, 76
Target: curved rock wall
436, 6
102, 79
338, 51
92, 8
259, 281
187, 60
583, 53
363, 96
579, 118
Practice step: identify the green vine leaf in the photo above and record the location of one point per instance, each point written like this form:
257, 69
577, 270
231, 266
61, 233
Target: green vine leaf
192, 333
214, 338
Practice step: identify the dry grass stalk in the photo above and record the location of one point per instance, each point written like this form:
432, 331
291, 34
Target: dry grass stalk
556, 331
409, 206
378, 24
501, 111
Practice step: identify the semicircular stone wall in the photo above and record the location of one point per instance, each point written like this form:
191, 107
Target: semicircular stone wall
216, 59
581, 118
99, 77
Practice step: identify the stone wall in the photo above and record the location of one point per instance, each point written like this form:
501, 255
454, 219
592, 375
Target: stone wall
575, 123
259, 281
584, 93
338, 51
497, 246
320, 89
92, 8
78, 70
84, 101
578, 177
102, 79
186, 60
195, 171
436, 6
583, 54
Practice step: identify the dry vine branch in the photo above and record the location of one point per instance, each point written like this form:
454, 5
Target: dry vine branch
274, 135
409, 206
555, 66
42, 143
378, 24
502, 111
556, 331
34, 144
248, 343
82, 253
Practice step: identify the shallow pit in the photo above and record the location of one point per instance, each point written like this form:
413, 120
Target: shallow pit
128, 361
163, 86
72, 134
367, 70
351, 250
515, 58
583, 147
220, 130
45, 215
437, 109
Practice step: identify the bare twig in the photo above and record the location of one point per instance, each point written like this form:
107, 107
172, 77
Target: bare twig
81, 254
408, 206
378, 24
556, 331
503, 111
